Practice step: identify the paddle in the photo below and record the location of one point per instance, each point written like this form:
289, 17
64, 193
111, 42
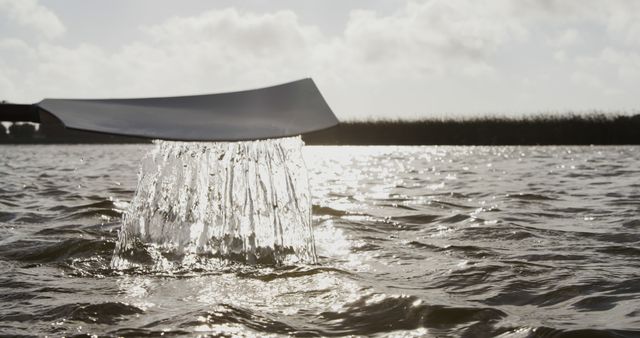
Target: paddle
284, 110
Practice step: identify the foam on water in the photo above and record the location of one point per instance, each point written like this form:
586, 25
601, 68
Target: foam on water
246, 201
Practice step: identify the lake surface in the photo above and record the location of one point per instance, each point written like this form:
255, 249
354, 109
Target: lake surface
412, 241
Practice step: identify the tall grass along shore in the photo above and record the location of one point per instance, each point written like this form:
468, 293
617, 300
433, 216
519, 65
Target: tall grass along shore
532, 130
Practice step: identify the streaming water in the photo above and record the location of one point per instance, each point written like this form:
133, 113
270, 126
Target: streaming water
246, 201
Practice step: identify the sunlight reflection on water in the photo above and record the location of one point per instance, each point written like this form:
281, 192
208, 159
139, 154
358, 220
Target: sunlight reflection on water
412, 241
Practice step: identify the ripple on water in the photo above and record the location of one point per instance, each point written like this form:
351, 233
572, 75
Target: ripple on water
412, 241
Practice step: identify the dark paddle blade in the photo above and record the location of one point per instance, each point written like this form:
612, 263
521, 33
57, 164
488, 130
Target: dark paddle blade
284, 110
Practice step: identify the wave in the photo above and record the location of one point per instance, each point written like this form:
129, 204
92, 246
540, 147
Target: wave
40, 251
103, 313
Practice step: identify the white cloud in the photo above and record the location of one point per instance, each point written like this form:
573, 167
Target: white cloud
565, 38
428, 56
612, 71
619, 17
583, 78
434, 36
226, 47
29, 13
627, 63
560, 55
217, 50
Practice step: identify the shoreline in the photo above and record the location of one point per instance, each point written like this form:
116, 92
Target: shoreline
595, 129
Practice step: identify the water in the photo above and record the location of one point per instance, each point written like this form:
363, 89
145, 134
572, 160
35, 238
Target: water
411, 241
246, 201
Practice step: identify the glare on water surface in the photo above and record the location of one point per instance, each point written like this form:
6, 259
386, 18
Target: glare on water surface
411, 241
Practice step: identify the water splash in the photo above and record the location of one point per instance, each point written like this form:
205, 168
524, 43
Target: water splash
245, 201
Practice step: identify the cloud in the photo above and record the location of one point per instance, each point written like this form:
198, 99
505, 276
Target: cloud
427, 56
619, 67
257, 34
228, 47
619, 17
627, 63
28, 13
565, 38
582, 78
216, 50
433, 36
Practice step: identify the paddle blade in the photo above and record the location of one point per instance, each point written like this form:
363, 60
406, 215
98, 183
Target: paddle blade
285, 110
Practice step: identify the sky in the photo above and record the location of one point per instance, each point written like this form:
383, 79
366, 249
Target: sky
380, 59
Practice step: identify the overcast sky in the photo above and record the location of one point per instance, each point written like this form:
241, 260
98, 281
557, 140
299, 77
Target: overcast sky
370, 58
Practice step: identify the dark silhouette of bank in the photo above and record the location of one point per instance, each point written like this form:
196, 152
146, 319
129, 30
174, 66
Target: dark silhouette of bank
53, 132
604, 129
538, 130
